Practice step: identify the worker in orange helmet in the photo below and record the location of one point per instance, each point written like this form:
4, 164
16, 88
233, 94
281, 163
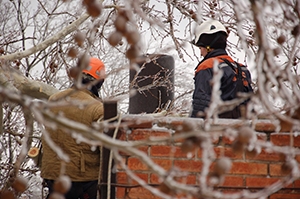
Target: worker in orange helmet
94, 71
83, 106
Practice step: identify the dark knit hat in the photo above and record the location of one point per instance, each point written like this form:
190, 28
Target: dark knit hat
217, 40
94, 87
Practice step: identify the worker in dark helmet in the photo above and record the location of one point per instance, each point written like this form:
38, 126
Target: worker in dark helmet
85, 107
211, 38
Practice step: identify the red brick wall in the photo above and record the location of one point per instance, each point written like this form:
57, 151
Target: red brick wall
247, 172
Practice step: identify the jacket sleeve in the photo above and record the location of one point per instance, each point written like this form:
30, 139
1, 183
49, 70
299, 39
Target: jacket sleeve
98, 111
248, 77
202, 92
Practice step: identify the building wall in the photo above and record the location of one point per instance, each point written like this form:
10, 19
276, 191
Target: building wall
248, 171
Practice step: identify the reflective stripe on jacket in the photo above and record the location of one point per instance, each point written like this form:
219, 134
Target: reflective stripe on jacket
83, 107
204, 75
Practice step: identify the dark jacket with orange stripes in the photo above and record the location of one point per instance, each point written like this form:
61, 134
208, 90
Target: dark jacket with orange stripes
204, 75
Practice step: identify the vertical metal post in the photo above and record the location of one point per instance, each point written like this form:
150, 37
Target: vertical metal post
110, 111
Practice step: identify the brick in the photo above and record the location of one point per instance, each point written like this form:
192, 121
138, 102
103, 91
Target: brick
140, 192
167, 151
249, 168
189, 179
189, 165
154, 179
227, 151
233, 181
265, 156
136, 164
297, 183
142, 148
160, 134
123, 178
122, 136
260, 182
120, 192
199, 153
160, 151
164, 163
260, 136
285, 196
124, 160
284, 139
139, 134
275, 170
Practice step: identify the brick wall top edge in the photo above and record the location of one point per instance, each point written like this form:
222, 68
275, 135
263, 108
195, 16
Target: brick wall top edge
148, 120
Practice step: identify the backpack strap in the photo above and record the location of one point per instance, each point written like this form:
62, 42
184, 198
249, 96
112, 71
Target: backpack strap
238, 71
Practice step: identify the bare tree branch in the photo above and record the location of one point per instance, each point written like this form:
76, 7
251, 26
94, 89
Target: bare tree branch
17, 82
61, 34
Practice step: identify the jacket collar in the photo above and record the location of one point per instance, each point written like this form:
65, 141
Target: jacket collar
85, 91
214, 53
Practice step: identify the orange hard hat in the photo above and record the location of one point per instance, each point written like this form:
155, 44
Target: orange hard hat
95, 68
